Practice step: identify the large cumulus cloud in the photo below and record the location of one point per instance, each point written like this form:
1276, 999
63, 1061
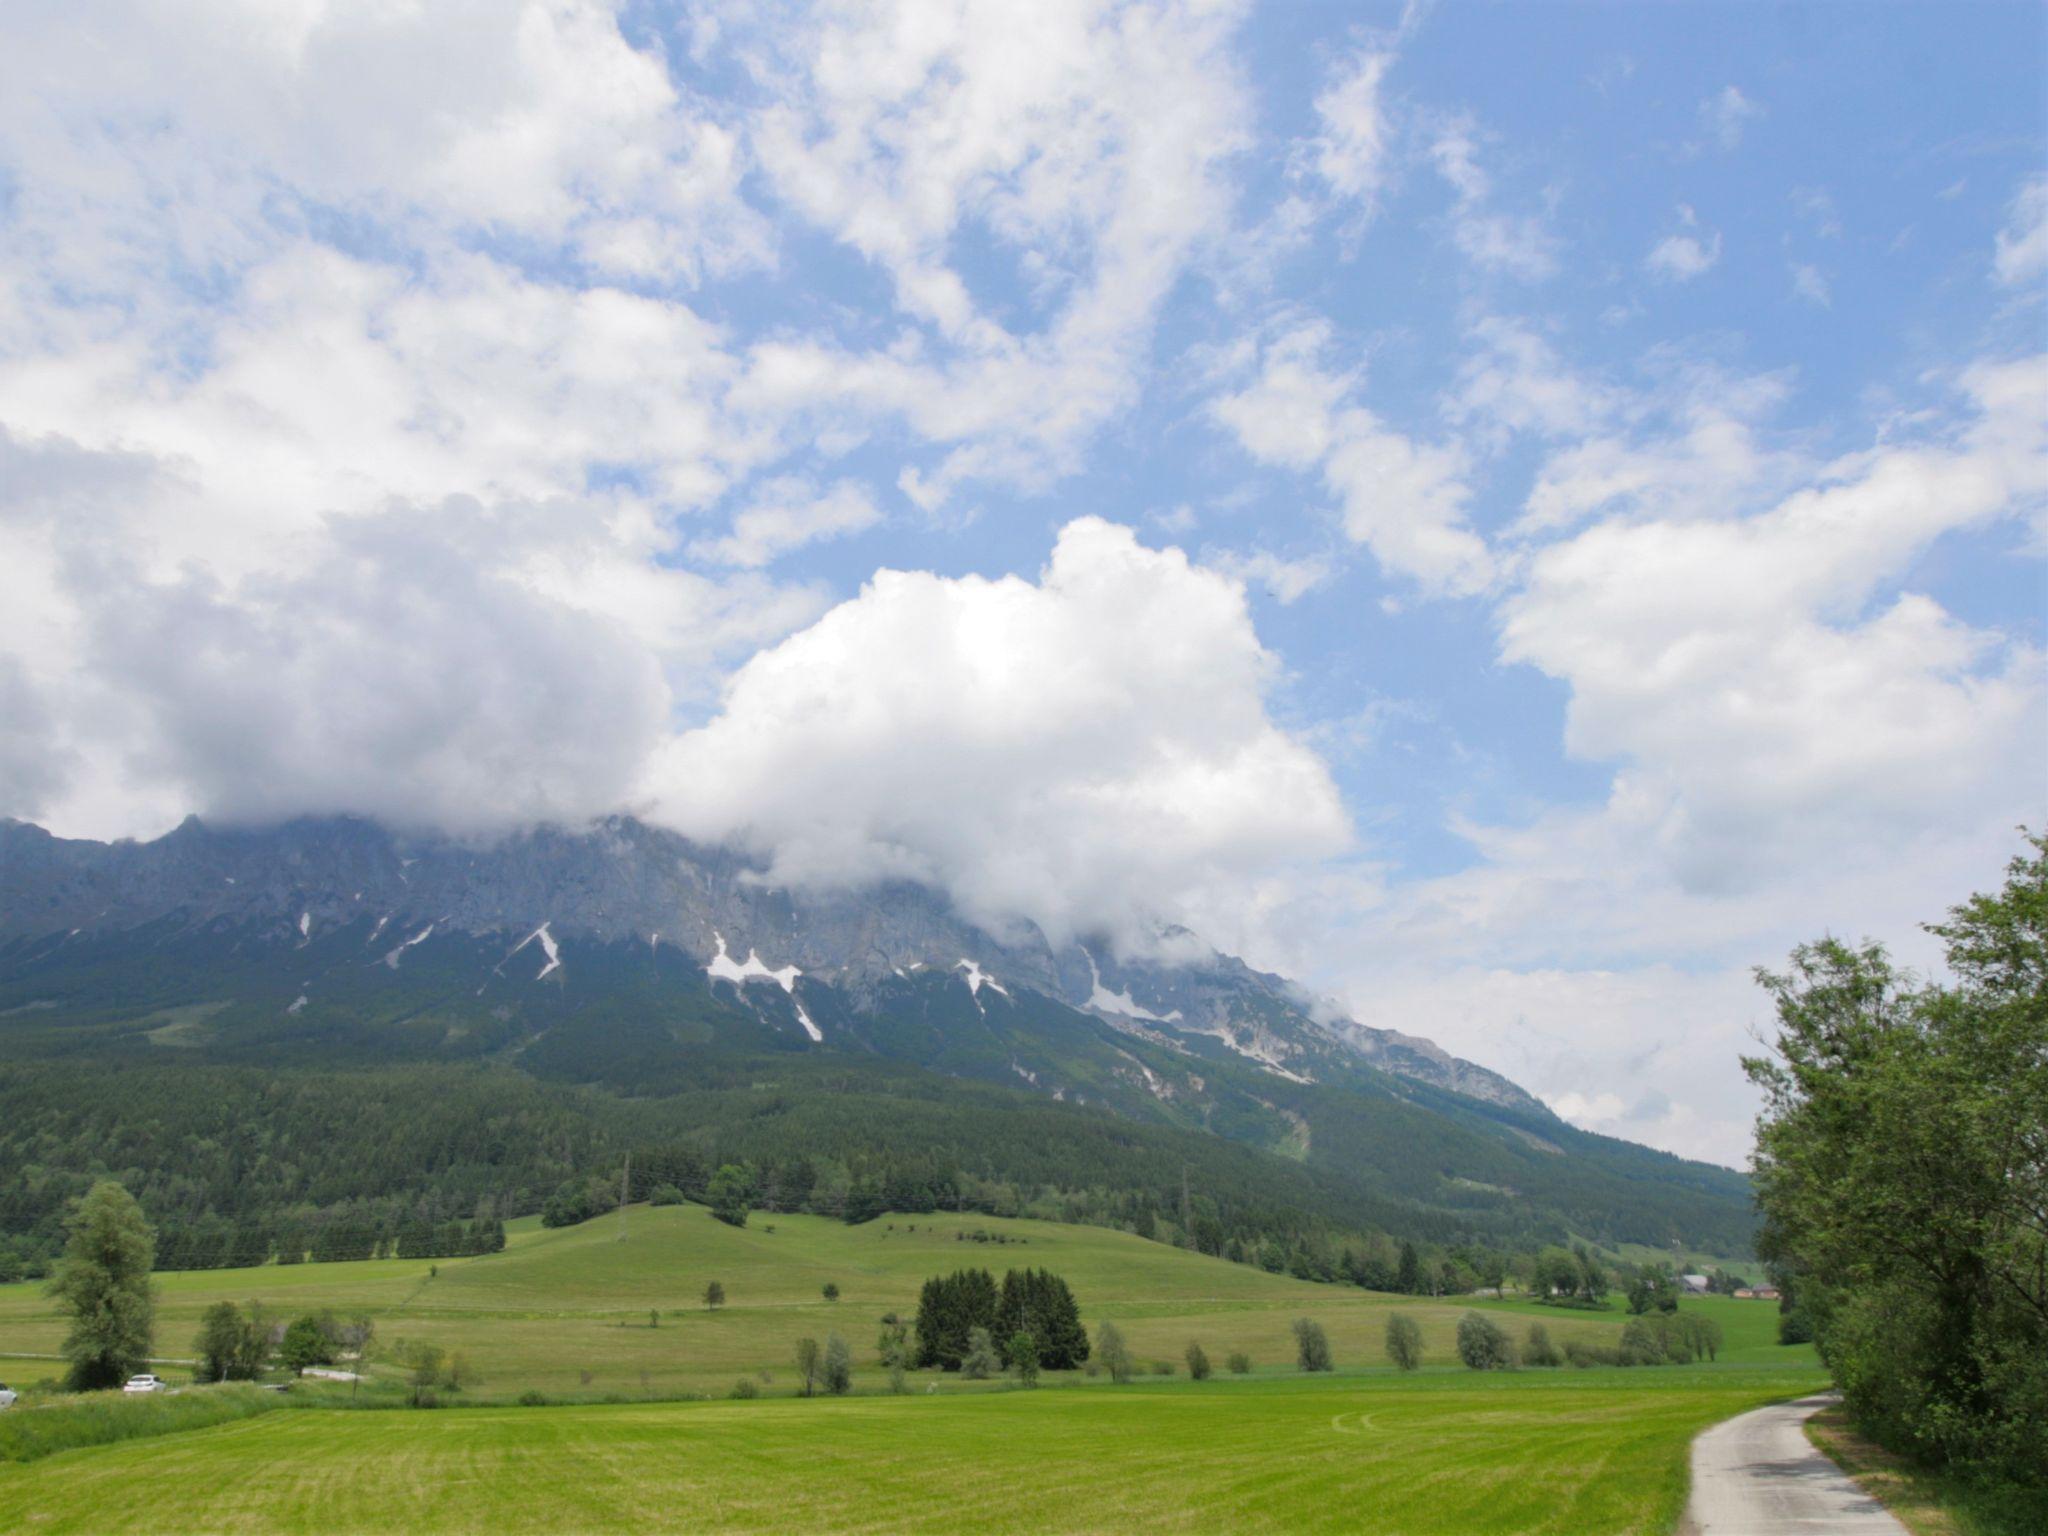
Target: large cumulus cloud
1091, 750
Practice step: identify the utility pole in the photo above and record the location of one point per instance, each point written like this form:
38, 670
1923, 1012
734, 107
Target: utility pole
625, 1192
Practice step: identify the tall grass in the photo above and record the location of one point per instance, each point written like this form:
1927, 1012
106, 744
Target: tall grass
99, 1418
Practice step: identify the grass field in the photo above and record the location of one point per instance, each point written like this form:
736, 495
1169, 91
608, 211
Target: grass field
565, 1313
1578, 1452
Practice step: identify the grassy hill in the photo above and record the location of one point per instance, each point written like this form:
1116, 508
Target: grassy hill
567, 1311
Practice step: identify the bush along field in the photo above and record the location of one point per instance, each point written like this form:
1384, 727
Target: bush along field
819, 1403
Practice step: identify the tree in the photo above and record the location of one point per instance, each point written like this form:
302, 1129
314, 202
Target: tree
305, 1343
426, 1366
1408, 1279
1023, 1358
949, 1308
1311, 1346
1902, 1170
1038, 1302
730, 1193
831, 1291
714, 1296
894, 1348
1538, 1350
838, 1367
1198, 1362
103, 1282
1404, 1341
980, 1361
219, 1345
809, 1363
1652, 1286
665, 1194
1240, 1363
1111, 1351
1483, 1344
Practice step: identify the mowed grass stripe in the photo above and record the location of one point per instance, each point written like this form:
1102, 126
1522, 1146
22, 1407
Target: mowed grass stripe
1598, 1452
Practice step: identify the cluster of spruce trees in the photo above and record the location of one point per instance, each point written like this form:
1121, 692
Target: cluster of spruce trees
1029, 1301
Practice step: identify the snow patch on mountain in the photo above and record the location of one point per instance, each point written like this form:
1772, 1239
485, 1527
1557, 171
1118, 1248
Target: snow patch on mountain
1102, 1000
418, 938
977, 978
810, 1029
724, 968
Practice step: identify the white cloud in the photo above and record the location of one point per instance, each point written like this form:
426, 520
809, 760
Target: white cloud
1811, 284
1085, 143
1727, 114
2022, 251
1737, 669
1351, 152
788, 513
1683, 256
1404, 500
1285, 580
1089, 751
1517, 245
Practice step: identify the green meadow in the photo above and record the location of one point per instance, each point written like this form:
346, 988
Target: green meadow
566, 1314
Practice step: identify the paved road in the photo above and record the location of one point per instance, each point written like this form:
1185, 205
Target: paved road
1758, 1475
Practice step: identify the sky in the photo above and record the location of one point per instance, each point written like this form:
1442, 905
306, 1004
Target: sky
1514, 515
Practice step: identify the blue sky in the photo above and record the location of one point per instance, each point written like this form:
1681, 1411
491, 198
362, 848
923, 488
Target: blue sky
1513, 514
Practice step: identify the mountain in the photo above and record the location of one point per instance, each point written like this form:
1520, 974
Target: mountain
623, 962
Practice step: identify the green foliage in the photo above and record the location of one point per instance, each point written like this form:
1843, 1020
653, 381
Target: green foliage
223, 1347
28, 1434
1651, 1286
714, 1296
1537, 1348
1240, 1363
979, 1361
744, 1388
1040, 1303
1311, 1346
831, 1290
1404, 1341
1021, 1353
305, 1343
730, 1194
665, 1194
1901, 1170
810, 1364
949, 1309
836, 1373
1483, 1344
103, 1283
1198, 1362
1113, 1353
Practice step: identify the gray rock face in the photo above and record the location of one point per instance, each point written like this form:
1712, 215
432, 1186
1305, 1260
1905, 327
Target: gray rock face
623, 880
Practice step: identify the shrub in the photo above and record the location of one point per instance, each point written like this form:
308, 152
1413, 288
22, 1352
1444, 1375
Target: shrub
1483, 1344
1582, 1354
831, 1290
1023, 1353
1162, 1367
838, 1366
1111, 1351
1311, 1346
1240, 1363
980, 1361
1537, 1348
1198, 1362
1795, 1327
665, 1194
532, 1399
1404, 1341
744, 1388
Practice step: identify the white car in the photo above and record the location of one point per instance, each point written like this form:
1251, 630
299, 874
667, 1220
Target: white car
6, 1395
143, 1384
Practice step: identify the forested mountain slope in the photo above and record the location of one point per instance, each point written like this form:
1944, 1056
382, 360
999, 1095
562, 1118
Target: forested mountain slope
330, 1022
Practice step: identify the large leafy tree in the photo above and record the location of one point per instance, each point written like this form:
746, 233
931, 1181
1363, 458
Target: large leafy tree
1902, 1166
103, 1282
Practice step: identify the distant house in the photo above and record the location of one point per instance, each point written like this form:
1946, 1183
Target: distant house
1758, 1293
1694, 1285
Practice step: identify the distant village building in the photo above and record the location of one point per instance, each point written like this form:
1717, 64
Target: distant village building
1695, 1285
1758, 1293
